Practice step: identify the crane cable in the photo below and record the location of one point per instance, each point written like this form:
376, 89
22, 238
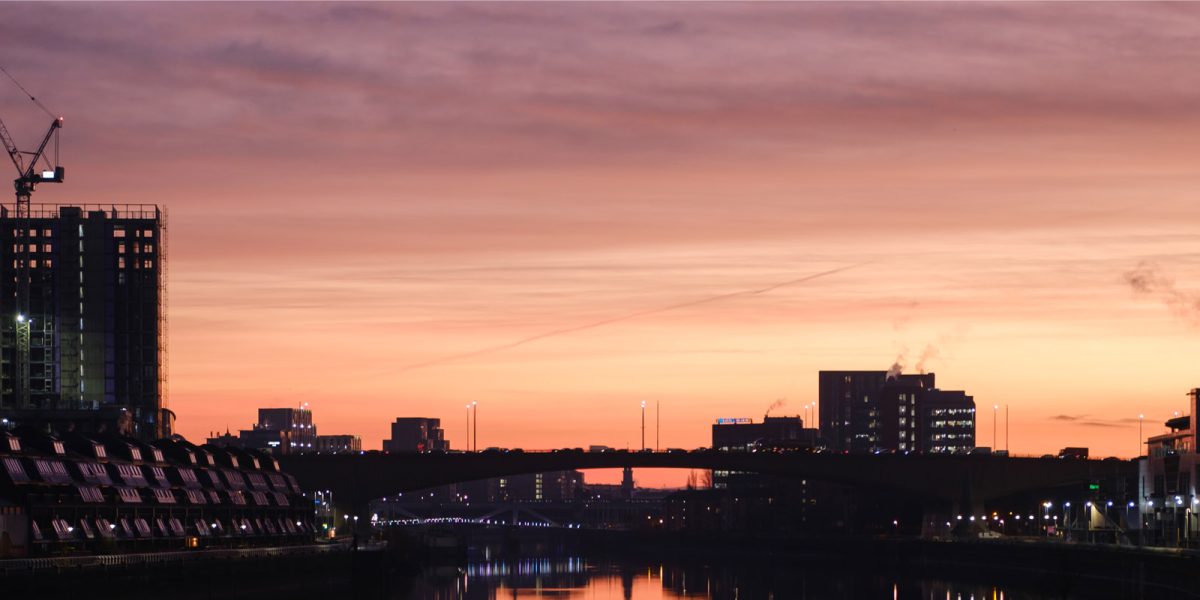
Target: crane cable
26, 92
39, 105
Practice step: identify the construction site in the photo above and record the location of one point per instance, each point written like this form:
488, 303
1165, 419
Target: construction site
83, 305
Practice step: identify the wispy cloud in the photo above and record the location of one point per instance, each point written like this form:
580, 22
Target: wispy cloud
1085, 420
620, 318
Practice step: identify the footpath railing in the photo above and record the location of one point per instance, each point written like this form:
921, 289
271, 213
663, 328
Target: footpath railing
57, 563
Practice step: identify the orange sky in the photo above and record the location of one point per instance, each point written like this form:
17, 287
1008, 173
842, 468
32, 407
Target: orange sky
357, 189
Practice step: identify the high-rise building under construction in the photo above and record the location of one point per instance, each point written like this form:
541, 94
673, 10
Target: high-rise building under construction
84, 350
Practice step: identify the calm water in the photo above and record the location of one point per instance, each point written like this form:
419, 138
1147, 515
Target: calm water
568, 578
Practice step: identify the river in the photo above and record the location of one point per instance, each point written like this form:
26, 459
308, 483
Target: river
609, 579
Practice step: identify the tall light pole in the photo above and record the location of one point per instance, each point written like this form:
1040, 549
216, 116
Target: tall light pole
468, 432
475, 434
657, 425
995, 415
1140, 419
643, 424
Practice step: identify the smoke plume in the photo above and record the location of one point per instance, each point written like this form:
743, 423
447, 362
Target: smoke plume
1149, 280
774, 405
929, 353
897, 368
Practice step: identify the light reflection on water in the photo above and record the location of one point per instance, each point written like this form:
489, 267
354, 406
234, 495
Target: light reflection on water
578, 578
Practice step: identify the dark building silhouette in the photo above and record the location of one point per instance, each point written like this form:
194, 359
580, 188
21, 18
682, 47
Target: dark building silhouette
878, 411
296, 423
87, 351
894, 414
847, 405
554, 486
287, 431
80, 494
772, 432
416, 434
1169, 482
339, 444
946, 422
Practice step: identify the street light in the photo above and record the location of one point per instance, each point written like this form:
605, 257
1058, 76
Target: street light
468, 433
1140, 419
995, 416
475, 433
643, 424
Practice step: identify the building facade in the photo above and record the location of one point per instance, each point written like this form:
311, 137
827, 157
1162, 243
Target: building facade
295, 423
81, 327
416, 434
946, 422
772, 432
80, 494
1169, 482
339, 444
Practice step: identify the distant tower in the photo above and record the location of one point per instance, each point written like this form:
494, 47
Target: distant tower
627, 483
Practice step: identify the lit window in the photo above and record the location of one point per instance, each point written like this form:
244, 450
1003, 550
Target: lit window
129, 495
15, 471
90, 494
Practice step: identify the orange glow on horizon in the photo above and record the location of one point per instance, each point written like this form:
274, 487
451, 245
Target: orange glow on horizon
562, 212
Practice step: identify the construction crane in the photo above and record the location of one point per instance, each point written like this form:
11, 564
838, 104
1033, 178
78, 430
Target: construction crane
28, 175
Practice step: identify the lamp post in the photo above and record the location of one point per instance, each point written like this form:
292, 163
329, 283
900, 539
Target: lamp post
468, 432
1140, 419
995, 416
643, 424
1046, 517
475, 432
1068, 524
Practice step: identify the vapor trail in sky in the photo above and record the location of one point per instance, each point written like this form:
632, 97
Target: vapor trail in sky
625, 317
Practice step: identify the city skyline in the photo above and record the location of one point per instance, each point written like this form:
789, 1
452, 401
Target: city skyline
562, 211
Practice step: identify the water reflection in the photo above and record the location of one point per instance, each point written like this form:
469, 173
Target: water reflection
575, 577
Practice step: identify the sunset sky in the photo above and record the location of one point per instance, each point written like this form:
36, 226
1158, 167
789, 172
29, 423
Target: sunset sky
371, 205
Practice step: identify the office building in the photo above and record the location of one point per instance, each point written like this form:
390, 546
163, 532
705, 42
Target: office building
946, 423
848, 411
416, 434
295, 423
771, 433
878, 411
82, 331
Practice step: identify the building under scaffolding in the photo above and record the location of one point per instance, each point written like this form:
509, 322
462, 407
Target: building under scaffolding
88, 353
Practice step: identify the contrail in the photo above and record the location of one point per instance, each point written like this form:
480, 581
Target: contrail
625, 317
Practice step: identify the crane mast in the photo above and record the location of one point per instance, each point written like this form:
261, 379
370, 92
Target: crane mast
27, 177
